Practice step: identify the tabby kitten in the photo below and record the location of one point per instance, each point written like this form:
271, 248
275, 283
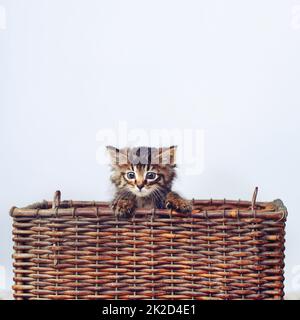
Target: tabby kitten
143, 178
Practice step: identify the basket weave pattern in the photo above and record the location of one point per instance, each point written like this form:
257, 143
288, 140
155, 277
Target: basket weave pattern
79, 250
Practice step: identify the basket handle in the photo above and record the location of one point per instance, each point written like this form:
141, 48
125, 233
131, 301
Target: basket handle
253, 202
56, 199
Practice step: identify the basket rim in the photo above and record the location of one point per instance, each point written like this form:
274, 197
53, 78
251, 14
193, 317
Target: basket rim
273, 209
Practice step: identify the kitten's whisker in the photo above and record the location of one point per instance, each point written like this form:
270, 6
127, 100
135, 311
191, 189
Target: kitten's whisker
158, 196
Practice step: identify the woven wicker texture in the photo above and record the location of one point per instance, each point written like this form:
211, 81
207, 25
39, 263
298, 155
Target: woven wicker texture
79, 250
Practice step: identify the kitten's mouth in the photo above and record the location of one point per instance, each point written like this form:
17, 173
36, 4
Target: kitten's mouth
141, 192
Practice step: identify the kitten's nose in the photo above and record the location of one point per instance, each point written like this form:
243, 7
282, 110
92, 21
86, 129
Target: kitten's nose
140, 186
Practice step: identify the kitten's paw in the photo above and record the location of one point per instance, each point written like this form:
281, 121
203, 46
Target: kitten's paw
178, 204
123, 207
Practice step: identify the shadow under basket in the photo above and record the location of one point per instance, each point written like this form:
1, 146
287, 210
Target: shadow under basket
80, 250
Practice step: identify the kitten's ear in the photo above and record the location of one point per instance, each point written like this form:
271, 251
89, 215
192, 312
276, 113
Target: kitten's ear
167, 155
117, 156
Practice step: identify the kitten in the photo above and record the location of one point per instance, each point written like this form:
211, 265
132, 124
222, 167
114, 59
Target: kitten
143, 178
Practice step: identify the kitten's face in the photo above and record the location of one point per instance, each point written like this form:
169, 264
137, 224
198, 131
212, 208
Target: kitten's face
142, 180
143, 171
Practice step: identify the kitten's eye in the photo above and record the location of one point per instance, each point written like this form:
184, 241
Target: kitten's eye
130, 175
151, 175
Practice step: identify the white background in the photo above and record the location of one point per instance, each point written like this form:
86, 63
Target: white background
70, 68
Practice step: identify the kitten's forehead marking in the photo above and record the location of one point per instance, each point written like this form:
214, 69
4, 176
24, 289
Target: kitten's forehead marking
139, 170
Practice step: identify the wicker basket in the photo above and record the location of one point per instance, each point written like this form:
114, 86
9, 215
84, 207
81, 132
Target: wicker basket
79, 250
